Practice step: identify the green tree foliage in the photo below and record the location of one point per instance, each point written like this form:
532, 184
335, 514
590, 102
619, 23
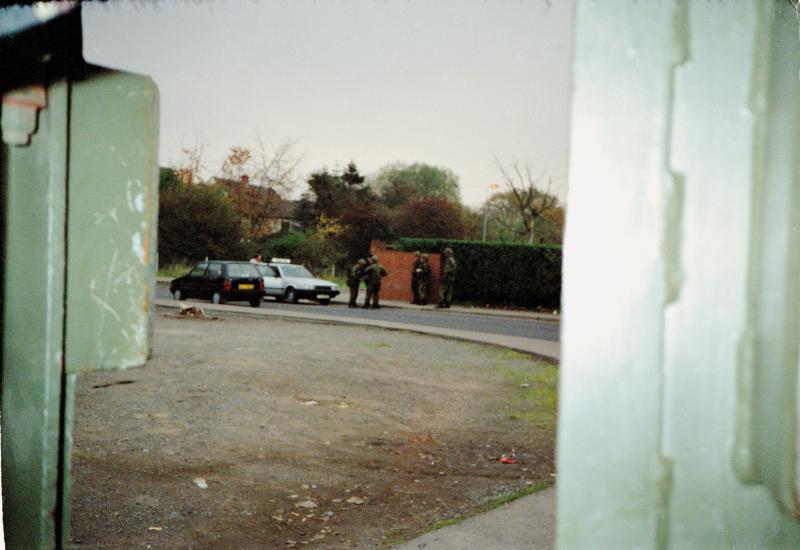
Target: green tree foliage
472, 219
362, 223
345, 200
197, 221
331, 194
311, 248
431, 217
167, 179
401, 183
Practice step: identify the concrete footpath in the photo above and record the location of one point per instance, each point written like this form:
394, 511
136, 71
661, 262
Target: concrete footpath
527, 523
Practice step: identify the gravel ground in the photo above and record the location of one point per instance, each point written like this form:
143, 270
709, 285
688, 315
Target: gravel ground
250, 433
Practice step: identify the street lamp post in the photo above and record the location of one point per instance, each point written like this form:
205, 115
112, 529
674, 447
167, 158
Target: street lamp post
486, 209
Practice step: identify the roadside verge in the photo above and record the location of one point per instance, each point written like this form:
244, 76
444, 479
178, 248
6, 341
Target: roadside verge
544, 348
527, 523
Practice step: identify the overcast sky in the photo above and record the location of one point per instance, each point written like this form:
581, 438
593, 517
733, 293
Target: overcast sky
449, 83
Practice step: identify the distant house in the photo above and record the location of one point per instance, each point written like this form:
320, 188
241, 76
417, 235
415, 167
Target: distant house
287, 220
275, 212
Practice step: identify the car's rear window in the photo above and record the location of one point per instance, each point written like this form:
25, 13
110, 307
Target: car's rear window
242, 270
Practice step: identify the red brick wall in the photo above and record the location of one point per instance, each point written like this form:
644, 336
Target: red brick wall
397, 284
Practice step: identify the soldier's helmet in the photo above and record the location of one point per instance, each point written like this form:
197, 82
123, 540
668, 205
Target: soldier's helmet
424, 256
448, 251
417, 254
362, 261
374, 259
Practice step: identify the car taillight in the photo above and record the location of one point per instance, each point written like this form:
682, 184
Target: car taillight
261, 284
226, 284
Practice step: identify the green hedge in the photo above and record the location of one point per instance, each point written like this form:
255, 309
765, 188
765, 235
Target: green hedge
500, 273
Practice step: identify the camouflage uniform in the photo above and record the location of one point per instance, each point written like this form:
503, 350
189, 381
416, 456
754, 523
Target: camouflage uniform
448, 279
416, 278
425, 281
354, 277
372, 276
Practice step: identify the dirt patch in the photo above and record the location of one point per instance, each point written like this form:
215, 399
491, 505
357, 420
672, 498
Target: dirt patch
274, 434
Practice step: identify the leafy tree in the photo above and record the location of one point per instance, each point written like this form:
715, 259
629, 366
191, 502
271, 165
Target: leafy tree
197, 221
401, 183
331, 194
328, 193
472, 220
362, 223
312, 248
352, 177
345, 209
432, 218
167, 179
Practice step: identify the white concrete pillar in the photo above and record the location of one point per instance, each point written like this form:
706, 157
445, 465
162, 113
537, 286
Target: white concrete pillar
680, 315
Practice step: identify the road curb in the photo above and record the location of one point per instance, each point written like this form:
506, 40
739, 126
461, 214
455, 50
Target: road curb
543, 348
344, 297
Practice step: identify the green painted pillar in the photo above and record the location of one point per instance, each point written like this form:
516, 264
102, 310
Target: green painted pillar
79, 175
678, 405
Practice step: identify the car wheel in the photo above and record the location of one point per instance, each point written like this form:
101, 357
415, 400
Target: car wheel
178, 295
217, 298
255, 302
291, 295
325, 301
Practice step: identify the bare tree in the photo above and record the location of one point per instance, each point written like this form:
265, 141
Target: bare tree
529, 196
262, 166
189, 171
257, 179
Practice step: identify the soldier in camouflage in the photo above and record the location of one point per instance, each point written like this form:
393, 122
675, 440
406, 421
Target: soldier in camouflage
425, 282
373, 275
416, 278
448, 279
354, 276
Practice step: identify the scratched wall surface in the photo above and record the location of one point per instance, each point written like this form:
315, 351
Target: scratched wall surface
678, 381
112, 221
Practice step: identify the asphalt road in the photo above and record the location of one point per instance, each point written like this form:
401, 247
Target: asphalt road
525, 328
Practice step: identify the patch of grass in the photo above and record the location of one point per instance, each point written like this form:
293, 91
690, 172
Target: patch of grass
393, 537
485, 507
512, 354
340, 280
442, 523
534, 396
505, 499
369, 344
173, 270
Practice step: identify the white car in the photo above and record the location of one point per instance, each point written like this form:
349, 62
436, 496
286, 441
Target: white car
291, 282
